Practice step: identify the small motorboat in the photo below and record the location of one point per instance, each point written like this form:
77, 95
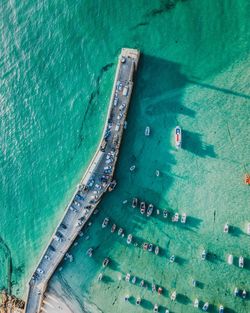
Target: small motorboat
167, 311
175, 218
100, 276
138, 301
145, 246
221, 309
127, 278
105, 262
142, 283
230, 259
248, 228
134, 280
241, 262
126, 298
173, 296
142, 207
183, 218
194, 283
165, 213
157, 250
150, 209
132, 168
226, 228
160, 290
105, 222
129, 239
153, 287
236, 292
156, 308
90, 252
134, 203
113, 228
147, 131
150, 247
158, 212
172, 258
120, 231
244, 294
157, 173
196, 303
205, 306
247, 179
204, 255
178, 137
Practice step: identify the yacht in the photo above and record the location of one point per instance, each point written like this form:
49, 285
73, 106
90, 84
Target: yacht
204, 255
120, 231
173, 296
127, 277
156, 308
241, 262
150, 209
221, 309
134, 203
150, 247
183, 218
165, 213
236, 292
138, 301
226, 228
129, 239
147, 131
178, 137
113, 228
196, 303
205, 306
157, 250
142, 207
172, 258
105, 262
244, 294
230, 259
105, 222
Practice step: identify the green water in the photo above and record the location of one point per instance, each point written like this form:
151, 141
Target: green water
57, 67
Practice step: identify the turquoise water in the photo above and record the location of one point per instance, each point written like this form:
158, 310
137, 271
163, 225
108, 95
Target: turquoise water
57, 66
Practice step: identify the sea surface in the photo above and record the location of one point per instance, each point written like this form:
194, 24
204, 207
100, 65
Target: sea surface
57, 65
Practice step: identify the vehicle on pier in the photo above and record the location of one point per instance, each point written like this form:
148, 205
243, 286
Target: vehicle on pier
134, 280
145, 246
150, 247
142, 207
150, 209
160, 290
244, 294
178, 137
236, 292
142, 283
153, 287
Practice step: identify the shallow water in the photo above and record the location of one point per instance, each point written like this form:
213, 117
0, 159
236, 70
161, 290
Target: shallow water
58, 70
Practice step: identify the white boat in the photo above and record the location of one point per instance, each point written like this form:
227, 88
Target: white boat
105, 222
132, 168
138, 301
175, 218
157, 173
241, 262
126, 298
204, 255
248, 228
157, 250
226, 228
196, 303
221, 309
205, 306
147, 131
134, 280
127, 277
173, 296
172, 258
129, 239
183, 218
120, 231
236, 291
230, 259
178, 138
156, 308
150, 209
134, 203
244, 294
100, 276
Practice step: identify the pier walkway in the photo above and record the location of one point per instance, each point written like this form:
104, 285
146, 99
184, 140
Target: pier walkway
96, 180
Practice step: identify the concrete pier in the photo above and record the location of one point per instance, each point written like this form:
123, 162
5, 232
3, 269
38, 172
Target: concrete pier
95, 182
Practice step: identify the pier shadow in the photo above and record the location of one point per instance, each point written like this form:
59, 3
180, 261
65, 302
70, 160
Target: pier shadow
192, 142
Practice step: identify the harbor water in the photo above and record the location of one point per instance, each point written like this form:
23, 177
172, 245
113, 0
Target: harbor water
58, 61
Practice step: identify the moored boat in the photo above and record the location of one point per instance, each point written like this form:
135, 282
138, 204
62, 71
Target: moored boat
157, 250
127, 278
150, 247
142, 207
113, 228
132, 168
248, 228
120, 231
196, 303
157, 173
134, 203
147, 131
150, 209
90, 252
230, 259
112, 185
205, 306
221, 309
204, 255
134, 280
105, 262
100, 276
160, 290
183, 218
178, 137
172, 258
142, 283
156, 308
153, 287
226, 228
145, 246
138, 301
175, 218
173, 296
126, 298
165, 213
244, 294
105, 222
194, 283
241, 262
129, 239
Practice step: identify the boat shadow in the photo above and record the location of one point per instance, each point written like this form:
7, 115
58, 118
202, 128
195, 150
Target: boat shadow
236, 231
107, 279
146, 305
183, 299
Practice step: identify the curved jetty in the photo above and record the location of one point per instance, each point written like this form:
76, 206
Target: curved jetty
95, 182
